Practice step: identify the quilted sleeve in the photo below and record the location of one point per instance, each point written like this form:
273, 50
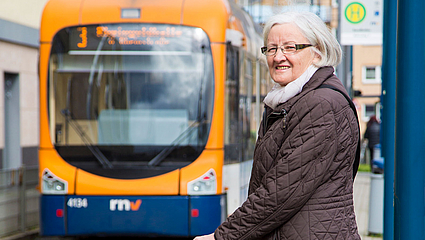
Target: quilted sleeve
302, 162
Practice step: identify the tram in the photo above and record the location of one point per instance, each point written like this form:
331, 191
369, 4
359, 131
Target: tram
148, 115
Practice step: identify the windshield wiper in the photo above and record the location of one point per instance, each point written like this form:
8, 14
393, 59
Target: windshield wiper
87, 141
166, 151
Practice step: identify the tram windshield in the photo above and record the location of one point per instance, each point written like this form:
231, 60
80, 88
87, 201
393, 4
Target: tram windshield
130, 100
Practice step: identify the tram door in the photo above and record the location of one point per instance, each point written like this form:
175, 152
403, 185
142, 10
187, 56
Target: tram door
12, 143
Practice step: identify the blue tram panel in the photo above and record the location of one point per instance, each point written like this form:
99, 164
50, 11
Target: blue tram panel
136, 215
207, 213
52, 221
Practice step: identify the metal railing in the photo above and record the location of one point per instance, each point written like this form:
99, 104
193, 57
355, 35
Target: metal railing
19, 200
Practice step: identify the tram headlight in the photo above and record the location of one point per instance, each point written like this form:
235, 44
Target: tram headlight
51, 184
204, 185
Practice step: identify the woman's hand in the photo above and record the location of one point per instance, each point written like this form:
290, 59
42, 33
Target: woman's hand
205, 237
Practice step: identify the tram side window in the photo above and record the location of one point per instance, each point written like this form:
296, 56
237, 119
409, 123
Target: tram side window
232, 131
266, 83
245, 107
239, 141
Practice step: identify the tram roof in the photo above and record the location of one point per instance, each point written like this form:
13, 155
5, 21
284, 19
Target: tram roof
213, 16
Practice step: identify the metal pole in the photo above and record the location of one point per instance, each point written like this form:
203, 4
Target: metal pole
319, 9
388, 114
22, 198
258, 94
344, 69
410, 117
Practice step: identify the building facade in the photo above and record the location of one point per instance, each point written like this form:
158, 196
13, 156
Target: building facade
19, 41
261, 10
367, 61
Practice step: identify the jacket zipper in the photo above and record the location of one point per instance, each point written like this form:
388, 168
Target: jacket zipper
273, 115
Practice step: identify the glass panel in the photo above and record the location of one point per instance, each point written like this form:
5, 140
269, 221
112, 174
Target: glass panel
130, 92
370, 73
369, 110
232, 137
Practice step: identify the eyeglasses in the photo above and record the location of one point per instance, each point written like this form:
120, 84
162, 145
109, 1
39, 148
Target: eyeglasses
289, 48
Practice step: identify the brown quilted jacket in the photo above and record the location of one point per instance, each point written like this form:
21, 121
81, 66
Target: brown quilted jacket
301, 183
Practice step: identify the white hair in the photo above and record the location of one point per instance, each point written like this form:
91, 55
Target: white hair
316, 32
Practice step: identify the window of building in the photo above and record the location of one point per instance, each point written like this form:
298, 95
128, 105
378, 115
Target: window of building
368, 111
371, 74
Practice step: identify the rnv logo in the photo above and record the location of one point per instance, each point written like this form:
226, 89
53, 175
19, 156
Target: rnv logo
124, 205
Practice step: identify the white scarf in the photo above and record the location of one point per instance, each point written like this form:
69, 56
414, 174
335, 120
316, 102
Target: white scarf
280, 94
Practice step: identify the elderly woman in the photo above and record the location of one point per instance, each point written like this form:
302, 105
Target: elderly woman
301, 183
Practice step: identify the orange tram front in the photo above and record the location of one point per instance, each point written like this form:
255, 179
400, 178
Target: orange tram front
132, 116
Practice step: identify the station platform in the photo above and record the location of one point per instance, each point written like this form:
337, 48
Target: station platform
361, 204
